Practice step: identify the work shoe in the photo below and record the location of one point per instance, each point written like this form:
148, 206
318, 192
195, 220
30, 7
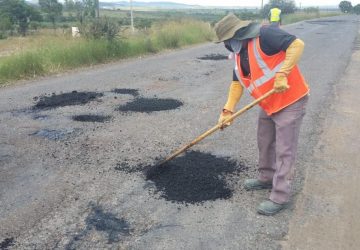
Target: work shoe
255, 184
270, 208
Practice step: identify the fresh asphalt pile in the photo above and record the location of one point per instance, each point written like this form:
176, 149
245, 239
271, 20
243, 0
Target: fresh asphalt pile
91, 118
65, 99
193, 178
148, 105
215, 57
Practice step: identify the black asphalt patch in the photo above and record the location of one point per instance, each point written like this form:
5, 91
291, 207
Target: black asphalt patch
147, 105
215, 57
91, 118
6, 243
193, 178
99, 220
65, 99
127, 168
133, 92
40, 117
109, 223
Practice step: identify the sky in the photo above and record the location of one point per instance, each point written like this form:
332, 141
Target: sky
243, 3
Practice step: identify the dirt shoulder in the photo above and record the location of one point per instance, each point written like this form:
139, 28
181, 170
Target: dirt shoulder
327, 211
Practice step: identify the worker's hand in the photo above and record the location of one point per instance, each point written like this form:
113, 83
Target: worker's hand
281, 82
225, 114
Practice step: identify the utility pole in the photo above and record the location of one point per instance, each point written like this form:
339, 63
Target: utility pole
97, 8
131, 16
262, 10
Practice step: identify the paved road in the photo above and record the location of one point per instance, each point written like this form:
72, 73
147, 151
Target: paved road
327, 210
66, 191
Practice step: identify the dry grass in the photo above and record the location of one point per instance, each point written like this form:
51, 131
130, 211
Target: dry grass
37, 39
47, 52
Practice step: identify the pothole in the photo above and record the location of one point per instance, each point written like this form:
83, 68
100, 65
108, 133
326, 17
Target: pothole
91, 118
147, 105
215, 57
193, 178
133, 92
65, 99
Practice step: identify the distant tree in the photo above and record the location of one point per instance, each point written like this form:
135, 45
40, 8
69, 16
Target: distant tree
5, 26
286, 6
52, 8
345, 6
17, 13
90, 8
356, 9
69, 5
79, 10
82, 9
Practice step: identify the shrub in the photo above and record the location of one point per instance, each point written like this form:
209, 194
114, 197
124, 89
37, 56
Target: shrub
100, 28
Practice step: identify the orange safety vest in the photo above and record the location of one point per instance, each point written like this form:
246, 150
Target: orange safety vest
261, 80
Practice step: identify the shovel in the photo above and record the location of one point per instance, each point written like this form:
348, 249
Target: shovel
217, 127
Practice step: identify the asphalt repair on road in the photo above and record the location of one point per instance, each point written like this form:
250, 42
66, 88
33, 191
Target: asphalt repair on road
193, 178
147, 105
91, 118
7, 243
139, 104
65, 99
99, 220
133, 92
214, 57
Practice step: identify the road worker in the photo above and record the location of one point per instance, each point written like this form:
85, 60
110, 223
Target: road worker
266, 58
275, 16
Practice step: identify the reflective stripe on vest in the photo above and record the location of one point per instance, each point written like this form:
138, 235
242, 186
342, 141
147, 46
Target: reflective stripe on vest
268, 73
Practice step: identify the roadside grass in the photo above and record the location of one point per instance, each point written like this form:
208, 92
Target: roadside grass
52, 53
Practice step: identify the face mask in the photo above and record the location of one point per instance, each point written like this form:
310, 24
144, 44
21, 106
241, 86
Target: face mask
233, 45
228, 46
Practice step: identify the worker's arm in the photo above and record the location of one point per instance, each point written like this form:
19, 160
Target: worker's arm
235, 93
293, 54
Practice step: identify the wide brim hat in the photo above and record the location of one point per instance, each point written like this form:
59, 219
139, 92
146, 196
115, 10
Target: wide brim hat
230, 25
